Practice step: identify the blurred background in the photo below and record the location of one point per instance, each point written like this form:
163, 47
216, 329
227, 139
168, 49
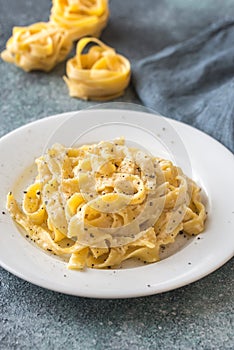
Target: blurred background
163, 22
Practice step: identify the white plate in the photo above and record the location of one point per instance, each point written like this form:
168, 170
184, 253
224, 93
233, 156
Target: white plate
203, 158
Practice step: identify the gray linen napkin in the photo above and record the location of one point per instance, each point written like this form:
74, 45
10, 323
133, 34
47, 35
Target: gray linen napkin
193, 81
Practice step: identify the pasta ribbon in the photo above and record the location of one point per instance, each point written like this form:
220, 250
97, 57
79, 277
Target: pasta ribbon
33, 206
80, 17
100, 74
39, 46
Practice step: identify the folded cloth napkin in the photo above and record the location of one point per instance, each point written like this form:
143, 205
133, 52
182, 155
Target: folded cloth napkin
193, 81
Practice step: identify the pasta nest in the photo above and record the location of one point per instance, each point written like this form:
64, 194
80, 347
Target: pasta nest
80, 17
100, 74
39, 46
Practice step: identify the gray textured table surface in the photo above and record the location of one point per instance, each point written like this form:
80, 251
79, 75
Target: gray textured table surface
198, 316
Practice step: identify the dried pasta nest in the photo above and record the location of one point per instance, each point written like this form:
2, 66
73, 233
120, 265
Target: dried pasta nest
80, 18
39, 46
100, 74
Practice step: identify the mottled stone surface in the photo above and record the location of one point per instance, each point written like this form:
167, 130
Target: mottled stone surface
198, 316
